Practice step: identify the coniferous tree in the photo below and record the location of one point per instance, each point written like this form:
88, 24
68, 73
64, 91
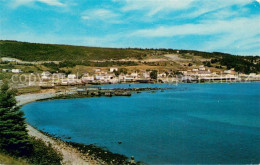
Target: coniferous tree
14, 138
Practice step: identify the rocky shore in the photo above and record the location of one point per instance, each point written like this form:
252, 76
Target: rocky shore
71, 156
74, 153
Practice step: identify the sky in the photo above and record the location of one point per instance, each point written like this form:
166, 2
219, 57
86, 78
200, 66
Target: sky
231, 26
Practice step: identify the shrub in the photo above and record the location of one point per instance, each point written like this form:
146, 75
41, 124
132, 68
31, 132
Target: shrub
153, 74
43, 154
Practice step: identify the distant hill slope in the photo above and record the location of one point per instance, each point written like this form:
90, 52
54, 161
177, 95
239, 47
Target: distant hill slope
44, 52
80, 55
54, 52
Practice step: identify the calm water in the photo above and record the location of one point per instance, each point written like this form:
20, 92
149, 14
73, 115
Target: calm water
192, 123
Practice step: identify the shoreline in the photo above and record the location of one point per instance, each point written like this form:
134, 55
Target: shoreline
72, 153
71, 156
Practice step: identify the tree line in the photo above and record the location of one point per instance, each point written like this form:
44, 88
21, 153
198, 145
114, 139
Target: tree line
14, 138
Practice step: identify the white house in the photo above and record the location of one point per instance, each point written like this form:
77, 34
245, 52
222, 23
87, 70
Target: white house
64, 83
6, 70
227, 71
134, 74
87, 78
16, 71
204, 74
46, 75
113, 69
121, 78
146, 74
129, 78
162, 75
72, 76
7, 59
252, 74
202, 68
97, 70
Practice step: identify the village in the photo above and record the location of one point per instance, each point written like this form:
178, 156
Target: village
116, 75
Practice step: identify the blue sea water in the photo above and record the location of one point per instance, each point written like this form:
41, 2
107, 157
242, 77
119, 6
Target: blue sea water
216, 123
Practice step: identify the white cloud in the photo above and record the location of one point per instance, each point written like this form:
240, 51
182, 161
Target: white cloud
52, 2
101, 15
236, 33
17, 3
208, 27
204, 6
156, 6
194, 8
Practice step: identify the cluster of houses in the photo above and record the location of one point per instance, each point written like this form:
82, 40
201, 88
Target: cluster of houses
113, 76
109, 77
98, 77
202, 73
12, 70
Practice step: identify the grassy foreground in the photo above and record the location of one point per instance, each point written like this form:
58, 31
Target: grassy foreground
41, 154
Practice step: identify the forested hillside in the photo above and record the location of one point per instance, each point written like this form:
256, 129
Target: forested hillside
45, 52
81, 55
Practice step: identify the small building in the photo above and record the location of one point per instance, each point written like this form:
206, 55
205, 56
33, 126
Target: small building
113, 69
146, 74
252, 74
204, 74
184, 72
7, 59
227, 71
6, 70
64, 83
16, 71
97, 70
202, 68
87, 78
72, 76
129, 78
45, 75
195, 70
134, 74
231, 71
162, 75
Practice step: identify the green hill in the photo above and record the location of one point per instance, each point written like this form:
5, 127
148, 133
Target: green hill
80, 55
52, 52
